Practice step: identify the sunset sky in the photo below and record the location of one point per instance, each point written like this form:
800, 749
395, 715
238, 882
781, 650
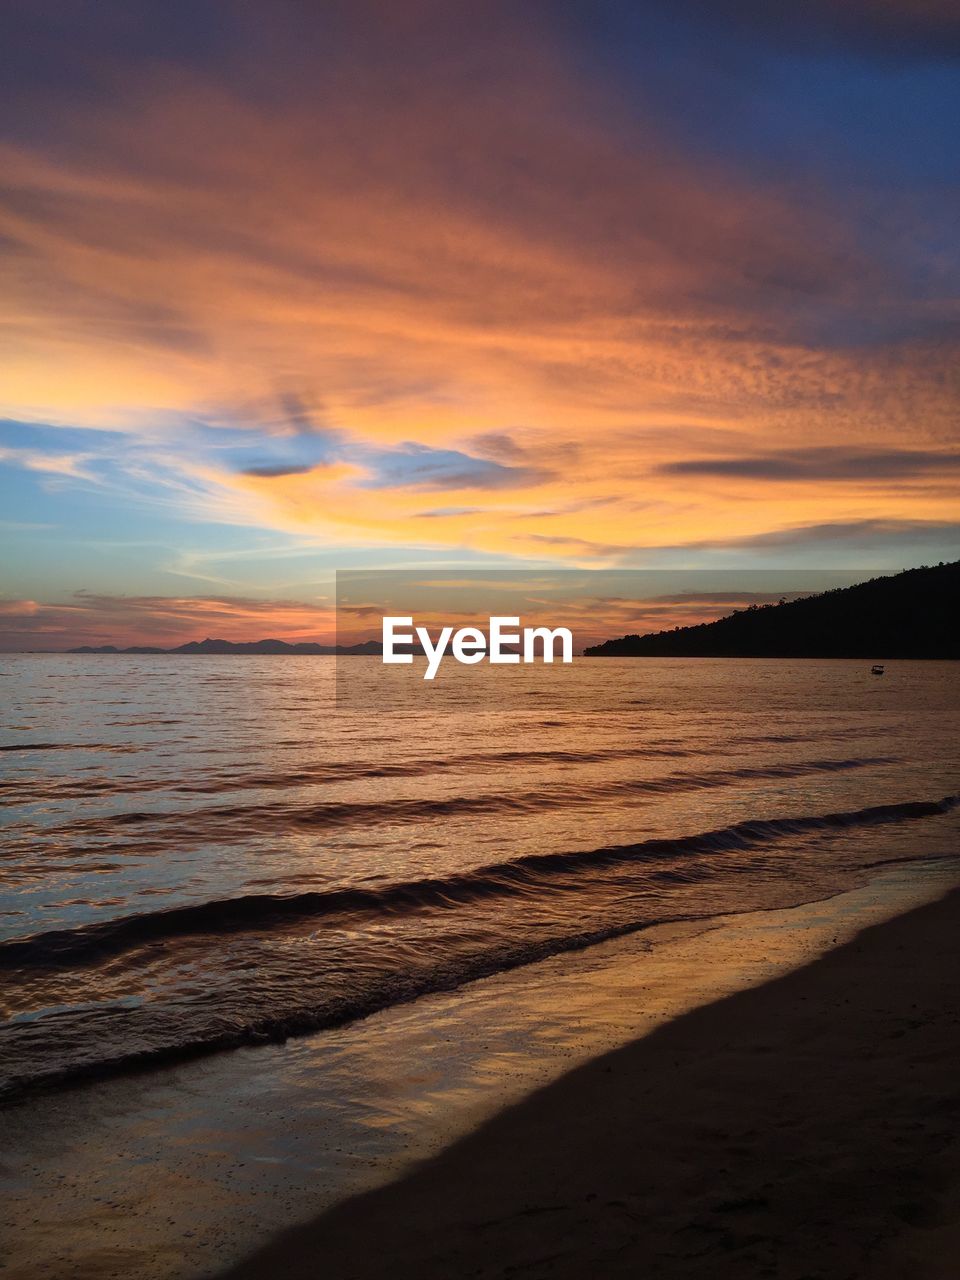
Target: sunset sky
290, 287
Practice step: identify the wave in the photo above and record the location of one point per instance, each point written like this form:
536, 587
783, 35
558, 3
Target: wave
69, 746
195, 1042
329, 772
243, 820
531, 875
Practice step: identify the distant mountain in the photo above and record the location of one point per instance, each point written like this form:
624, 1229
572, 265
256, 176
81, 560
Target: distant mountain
907, 615
252, 646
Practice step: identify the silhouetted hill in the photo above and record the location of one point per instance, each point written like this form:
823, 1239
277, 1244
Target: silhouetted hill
907, 615
252, 646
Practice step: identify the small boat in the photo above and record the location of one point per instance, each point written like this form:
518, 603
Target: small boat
877, 669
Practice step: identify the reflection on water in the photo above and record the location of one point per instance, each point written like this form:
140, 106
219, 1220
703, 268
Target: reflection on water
207, 852
178, 1173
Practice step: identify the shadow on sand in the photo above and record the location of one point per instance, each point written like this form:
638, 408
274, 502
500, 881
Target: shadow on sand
803, 1129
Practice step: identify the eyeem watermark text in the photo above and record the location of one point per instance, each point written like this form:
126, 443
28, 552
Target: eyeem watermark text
503, 642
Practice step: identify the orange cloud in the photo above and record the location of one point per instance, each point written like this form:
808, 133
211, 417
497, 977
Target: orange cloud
493, 251
90, 619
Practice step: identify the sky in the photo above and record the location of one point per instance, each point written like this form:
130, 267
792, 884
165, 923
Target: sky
294, 287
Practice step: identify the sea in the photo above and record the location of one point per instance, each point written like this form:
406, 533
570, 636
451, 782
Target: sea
201, 853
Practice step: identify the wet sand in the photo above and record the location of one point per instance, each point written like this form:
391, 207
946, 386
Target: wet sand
805, 1128
180, 1173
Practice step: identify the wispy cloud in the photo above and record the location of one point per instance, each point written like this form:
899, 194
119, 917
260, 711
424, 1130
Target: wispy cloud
72, 465
831, 462
418, 466
911, 534
88, 618
273, 471
305, 269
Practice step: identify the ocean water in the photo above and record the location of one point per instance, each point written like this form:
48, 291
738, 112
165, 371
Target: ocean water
200, 853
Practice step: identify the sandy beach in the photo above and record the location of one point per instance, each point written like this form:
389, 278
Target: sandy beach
805, 1128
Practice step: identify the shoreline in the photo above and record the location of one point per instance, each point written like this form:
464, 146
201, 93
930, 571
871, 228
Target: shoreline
804, 1127
188, 1170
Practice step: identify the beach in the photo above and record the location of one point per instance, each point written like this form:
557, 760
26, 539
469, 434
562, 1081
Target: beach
187, 1171
251, 978
804, 1128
